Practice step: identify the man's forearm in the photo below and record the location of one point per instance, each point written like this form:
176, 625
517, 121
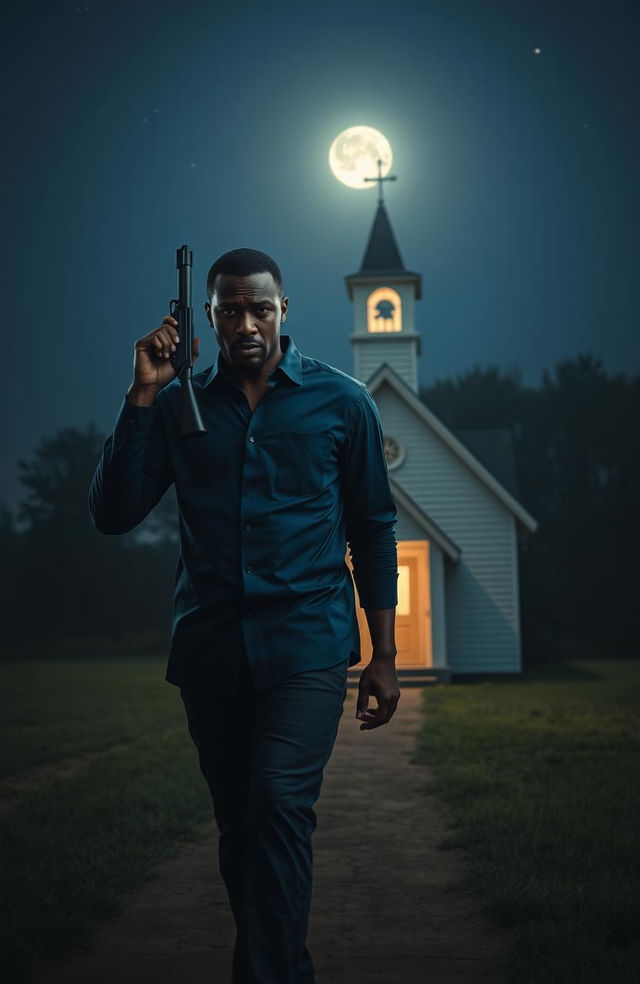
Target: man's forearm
381, 623
134, 469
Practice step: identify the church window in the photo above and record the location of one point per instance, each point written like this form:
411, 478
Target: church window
384, 310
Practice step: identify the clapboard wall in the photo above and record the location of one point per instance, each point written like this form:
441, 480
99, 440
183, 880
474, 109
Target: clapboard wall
481, 589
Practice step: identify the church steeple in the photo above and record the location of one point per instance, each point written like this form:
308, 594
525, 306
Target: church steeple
382, 254
384, 294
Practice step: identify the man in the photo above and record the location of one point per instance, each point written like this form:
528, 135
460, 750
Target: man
264, 624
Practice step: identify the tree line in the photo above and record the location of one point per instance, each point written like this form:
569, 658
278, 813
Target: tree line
575, 438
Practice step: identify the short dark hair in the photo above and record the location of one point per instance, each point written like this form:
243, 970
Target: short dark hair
241, 263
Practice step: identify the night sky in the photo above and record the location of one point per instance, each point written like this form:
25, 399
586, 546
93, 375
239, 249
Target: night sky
133, 128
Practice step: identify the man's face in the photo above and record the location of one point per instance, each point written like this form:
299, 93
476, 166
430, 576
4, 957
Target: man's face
246, 311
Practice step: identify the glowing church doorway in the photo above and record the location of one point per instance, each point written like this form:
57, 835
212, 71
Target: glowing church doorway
413, 614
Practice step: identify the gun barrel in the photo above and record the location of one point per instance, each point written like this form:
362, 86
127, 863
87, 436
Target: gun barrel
191, 421
184, 263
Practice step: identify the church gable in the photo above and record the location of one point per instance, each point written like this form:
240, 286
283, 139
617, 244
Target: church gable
425, 421
435, 477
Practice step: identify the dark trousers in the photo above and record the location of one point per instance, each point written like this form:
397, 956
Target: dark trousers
263, 755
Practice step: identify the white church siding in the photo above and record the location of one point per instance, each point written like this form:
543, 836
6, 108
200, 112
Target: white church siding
438, 606
372, 351
482, 605
407, 528
482, 609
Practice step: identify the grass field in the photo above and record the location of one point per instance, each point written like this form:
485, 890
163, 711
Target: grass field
541, 777
99, 782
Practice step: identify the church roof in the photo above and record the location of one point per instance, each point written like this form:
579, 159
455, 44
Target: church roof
432, 530
382, 257
382, 251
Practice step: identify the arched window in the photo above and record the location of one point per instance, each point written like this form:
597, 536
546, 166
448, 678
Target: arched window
384, 310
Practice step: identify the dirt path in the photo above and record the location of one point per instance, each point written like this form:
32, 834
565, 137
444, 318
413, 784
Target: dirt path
388, 905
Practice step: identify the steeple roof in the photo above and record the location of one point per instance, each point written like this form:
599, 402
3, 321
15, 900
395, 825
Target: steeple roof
382, 258
382, 253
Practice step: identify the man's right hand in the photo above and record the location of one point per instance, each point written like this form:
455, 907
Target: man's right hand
152, 367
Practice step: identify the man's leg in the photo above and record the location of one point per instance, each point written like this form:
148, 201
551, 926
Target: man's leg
295, 726
221, 726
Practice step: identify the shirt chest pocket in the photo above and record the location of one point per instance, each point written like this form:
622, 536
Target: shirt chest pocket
302, 463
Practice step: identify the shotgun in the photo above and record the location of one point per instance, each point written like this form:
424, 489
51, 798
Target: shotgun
182, 358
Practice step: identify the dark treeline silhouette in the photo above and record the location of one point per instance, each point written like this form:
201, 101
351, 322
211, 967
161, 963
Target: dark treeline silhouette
576, 441
62, 579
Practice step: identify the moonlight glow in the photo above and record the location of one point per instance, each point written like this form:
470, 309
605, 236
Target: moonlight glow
354, 155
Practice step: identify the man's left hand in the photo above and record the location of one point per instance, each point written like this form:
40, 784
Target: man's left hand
380, 680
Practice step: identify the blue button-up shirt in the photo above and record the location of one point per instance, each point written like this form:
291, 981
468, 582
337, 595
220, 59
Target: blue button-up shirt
267, 503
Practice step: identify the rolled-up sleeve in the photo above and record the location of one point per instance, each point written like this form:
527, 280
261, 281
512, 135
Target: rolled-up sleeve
370, 508
134, 470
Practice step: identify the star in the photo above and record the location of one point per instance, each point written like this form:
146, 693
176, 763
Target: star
193, 164
537, 51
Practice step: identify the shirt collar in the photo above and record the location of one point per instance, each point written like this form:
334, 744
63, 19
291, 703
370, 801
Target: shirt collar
290, 364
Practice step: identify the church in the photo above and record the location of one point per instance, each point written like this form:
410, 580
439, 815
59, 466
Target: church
459, 518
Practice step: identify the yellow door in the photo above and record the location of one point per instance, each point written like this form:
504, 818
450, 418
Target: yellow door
413, 613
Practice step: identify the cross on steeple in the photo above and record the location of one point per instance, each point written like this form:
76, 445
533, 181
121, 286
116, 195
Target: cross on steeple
380, 179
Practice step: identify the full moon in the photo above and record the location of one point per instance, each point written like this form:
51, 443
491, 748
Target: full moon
355, 153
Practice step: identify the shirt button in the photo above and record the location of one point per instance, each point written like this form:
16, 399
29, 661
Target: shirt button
249, 569
252, 440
